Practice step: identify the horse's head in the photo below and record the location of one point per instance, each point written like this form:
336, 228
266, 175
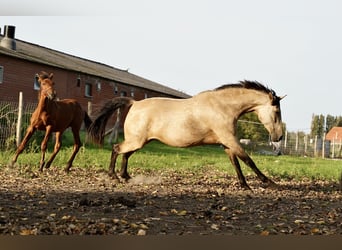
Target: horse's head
270, 115
47, 89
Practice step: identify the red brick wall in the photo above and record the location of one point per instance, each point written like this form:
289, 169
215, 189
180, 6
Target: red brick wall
19, 76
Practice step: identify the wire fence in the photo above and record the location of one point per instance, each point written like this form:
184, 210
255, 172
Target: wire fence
9, 119
294, 143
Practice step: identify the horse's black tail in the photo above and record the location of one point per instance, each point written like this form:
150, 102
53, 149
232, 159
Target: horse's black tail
96, 131
87, 120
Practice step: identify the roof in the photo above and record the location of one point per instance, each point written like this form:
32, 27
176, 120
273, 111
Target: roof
334, 134
36, 53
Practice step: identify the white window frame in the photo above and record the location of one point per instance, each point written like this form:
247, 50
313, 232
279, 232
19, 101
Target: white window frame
88, 90
1, 74
36, 85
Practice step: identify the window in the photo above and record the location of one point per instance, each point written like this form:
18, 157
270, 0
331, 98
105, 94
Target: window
36, 85
123, 93
116, 90
146, 95
78, 83
132, 92
1, 74
88, 90
98, 86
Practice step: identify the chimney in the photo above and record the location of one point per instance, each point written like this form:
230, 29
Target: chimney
8, 40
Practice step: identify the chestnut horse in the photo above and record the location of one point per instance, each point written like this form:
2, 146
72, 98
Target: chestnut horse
207, 118
56, 116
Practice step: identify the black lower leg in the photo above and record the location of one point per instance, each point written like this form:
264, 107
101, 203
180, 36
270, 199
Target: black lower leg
123, 173
113, 158
241, 177
249, 162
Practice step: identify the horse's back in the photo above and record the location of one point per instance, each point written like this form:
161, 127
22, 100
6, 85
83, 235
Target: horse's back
176, 122
70, 104
159, 106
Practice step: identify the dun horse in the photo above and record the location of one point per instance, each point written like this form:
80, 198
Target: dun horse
54, 116
207, 118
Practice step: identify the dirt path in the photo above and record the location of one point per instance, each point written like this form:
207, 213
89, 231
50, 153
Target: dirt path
207, 202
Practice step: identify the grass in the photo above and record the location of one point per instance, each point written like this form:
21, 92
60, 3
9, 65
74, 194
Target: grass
157, 156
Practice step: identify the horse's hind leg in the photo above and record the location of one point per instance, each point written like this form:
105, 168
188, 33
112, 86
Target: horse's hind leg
22, 145
113, 158
77, 145
123, 173
127, 149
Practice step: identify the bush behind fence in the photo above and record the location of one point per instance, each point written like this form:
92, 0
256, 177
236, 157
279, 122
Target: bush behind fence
298, 144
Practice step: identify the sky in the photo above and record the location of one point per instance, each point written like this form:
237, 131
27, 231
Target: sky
294, 47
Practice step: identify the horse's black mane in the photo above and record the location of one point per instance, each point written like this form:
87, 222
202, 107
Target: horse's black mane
248, 85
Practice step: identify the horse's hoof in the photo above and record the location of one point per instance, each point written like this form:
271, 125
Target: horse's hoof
41, 167
272, 185
114, 177
116, 181
246, 187
125, 176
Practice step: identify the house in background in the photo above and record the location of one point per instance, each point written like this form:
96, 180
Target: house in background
334, 135
91, 83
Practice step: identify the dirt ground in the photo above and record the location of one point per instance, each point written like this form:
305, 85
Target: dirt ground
208, 202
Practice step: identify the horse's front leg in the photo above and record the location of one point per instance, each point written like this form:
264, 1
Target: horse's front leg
56, 149
29, 133
249, 162
43, 147
237, 167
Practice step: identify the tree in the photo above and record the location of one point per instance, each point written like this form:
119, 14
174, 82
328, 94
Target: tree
317, 125
330, 122
321, 125
249, 127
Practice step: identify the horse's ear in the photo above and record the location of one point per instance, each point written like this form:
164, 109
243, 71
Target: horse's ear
51, 76
271, 96
282, 97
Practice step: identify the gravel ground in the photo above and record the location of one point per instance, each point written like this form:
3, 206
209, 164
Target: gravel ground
207, 202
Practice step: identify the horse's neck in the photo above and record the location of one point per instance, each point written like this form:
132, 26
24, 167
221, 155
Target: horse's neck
241, 102
44, 104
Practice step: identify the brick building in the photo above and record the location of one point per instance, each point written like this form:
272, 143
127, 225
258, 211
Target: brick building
87, 81
334, 134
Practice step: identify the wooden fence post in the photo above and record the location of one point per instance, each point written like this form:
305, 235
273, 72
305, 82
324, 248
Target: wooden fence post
305, 144
20, 119
323, 146
90, 108
333, 148
285, 141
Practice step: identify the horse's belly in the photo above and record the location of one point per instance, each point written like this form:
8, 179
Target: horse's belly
183, 137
